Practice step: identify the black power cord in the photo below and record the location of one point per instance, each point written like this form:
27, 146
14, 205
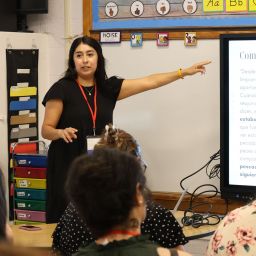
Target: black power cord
191, 216
212, 174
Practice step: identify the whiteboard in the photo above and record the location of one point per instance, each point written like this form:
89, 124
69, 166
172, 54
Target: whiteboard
177, 125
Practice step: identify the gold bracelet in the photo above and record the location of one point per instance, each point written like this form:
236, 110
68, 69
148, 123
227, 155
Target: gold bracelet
180, 73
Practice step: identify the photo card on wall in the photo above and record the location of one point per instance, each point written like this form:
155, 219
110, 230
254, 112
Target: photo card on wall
136, 39
162, 39
190, 39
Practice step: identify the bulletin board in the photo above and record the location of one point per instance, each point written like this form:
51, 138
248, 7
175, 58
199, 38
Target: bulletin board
145, 14
209, 18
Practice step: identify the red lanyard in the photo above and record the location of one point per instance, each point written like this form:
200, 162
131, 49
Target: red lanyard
93, 113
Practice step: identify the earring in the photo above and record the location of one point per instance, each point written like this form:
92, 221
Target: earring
134, 223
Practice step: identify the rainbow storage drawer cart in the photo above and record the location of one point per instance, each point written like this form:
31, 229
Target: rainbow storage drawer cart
29, 187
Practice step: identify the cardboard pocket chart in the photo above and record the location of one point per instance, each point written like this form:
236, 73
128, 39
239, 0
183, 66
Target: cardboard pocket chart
17, 105
23, 119
22, 96
17, 133
16, 91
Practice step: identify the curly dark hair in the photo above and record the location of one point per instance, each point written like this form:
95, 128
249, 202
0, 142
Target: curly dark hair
117, 138
100, 74
102, 186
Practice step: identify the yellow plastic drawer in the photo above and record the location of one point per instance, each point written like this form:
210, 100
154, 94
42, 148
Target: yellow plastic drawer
30, 183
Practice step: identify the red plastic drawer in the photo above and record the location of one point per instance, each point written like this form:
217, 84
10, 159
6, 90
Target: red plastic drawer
29, 172
23, 148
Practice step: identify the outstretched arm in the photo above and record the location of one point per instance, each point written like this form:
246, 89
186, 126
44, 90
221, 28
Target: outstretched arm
135, 86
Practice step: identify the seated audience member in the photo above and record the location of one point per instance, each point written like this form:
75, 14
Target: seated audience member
5, 230
161, 226
236, 234
108, 188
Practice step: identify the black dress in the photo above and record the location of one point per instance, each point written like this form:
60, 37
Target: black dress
160, 226
75, 114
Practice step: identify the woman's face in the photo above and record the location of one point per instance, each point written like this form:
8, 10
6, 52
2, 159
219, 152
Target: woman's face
85, 59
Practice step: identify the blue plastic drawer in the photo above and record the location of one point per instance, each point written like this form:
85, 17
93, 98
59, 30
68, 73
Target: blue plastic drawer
33, 194
30, 160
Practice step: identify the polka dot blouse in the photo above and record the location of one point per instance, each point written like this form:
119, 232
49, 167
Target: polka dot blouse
160, 225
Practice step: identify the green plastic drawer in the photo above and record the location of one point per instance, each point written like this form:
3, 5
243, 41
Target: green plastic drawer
32, 205
30, 194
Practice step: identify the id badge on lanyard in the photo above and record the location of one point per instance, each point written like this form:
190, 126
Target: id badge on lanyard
91, 142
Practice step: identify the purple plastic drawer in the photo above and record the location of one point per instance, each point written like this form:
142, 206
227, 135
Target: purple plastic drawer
30, 215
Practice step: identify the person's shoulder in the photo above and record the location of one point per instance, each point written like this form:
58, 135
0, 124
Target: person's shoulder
173, 252
111, 86
87, 250
114, 82
246, 209
62, 84
114, 79
154, 209
65, 81
251, 205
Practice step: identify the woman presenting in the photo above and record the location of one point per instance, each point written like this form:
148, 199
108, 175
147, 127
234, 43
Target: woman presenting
80, 105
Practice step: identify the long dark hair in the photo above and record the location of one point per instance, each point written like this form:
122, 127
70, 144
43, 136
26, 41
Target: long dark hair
100, 74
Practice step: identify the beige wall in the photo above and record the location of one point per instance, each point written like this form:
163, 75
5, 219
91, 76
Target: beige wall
177, 126
20, 41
